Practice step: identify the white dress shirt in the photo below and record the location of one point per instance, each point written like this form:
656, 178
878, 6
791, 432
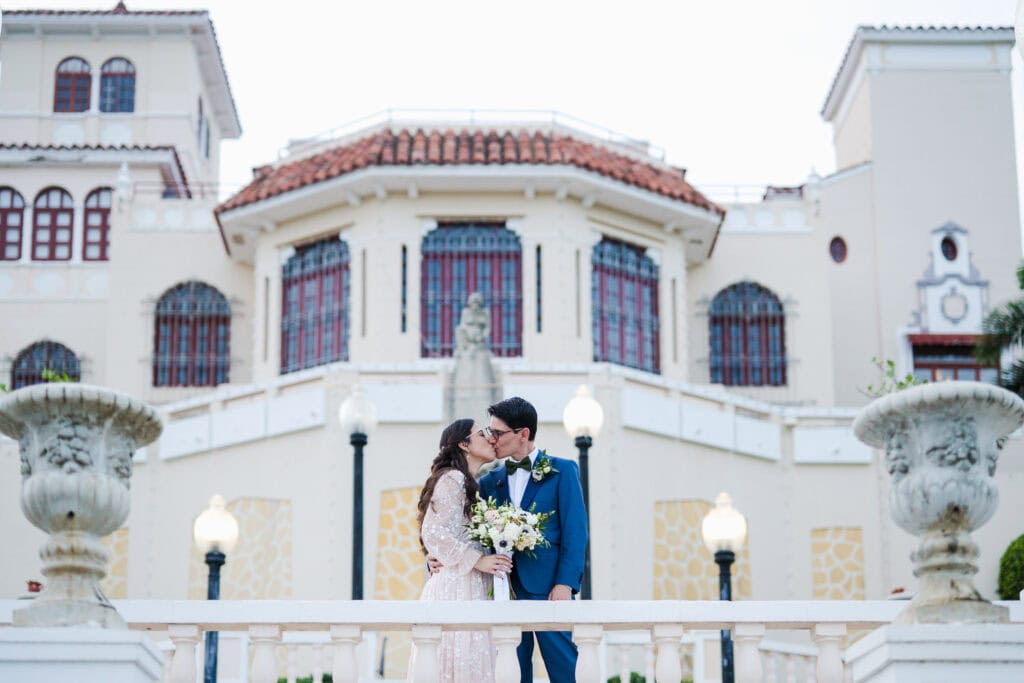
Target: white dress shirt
517, 481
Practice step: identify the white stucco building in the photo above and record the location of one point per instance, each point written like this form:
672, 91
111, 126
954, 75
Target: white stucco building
728, 344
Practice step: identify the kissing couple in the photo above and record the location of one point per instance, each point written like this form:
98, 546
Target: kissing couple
462, 569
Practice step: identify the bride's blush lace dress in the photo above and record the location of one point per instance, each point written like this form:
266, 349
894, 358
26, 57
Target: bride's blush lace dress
463, 656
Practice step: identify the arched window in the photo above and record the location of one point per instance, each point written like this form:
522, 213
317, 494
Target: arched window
458, 260
45, 355
747, 336
96, 245
314, 315
193, 337
12, 215
72, 86
624, 296
51, 225
117, 85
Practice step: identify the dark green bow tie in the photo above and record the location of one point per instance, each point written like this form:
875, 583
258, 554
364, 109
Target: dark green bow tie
511, 465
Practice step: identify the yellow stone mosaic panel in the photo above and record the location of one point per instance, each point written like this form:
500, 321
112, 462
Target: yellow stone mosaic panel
115, 583
837, 563
399, 569
683, 567
260, 566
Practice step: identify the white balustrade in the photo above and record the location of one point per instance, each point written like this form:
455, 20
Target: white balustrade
618, 628
588, 640
506, 639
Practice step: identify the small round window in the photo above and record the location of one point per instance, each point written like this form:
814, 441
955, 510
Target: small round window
948, 248
837, 248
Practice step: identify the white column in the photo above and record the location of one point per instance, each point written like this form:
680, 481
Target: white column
291, 673
426, 639
587, 638
649, 662
183, 661
830, 660
667, 640
265, 638
345, 668
746, 641
318, 662
506, 639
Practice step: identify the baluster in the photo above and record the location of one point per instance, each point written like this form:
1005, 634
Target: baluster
790, 662
426, 639
587, 638
506, 639
265, 638
667, 640
318, 663
809, 664
183, 661
649, 662
624, 652
830, 660
345, 639
293, 654
771, 673
747, 640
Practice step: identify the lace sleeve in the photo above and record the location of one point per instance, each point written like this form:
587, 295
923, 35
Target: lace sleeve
444, 525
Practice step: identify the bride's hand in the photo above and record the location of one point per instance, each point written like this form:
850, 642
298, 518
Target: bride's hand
493, 564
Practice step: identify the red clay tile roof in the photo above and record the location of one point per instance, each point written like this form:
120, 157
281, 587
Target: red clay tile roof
448, 148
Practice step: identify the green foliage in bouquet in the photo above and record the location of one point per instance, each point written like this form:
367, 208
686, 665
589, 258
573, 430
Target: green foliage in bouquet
1011, 570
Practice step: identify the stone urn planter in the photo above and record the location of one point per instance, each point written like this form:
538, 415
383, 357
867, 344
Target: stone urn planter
941, 444
76, 443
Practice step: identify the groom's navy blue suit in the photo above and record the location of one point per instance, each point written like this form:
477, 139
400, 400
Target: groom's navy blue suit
560, 563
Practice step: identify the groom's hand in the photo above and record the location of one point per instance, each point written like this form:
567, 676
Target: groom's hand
433, 564
560, 592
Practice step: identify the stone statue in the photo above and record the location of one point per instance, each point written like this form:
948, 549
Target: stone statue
472, 385
474, 330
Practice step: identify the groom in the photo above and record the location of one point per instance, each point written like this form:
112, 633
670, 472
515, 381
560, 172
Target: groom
533, 478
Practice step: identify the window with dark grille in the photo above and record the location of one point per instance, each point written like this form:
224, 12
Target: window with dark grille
30, 363
192, 337
624, 295
939, 357
12, 216
315, 308
747, 337
72, 86
458, 260
117, 86
96, 245
52, 216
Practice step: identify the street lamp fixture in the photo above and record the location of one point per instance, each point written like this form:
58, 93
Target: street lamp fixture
358, 418
215, 533
724, 531
583, 418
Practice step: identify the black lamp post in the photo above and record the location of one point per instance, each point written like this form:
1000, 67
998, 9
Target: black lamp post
582, 418
215, 533
358, 417
724, 530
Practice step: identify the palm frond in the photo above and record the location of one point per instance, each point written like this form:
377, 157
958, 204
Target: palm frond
1013, 378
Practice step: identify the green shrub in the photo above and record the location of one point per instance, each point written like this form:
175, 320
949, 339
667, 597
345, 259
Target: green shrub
634, 677
1011, 570
306, 679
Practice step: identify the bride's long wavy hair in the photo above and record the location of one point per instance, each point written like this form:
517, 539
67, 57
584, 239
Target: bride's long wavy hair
449, 457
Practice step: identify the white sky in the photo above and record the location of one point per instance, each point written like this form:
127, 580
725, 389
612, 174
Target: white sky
731, 89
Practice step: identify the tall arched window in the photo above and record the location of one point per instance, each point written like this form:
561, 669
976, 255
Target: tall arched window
12, 215
96, 245
624, 294
117, 85
45, 355
52, 217
193, 337
747, 336
462, 258
72, 86
314, 315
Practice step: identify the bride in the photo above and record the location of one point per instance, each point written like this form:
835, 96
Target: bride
444, 508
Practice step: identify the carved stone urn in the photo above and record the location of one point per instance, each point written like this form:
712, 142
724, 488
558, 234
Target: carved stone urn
941, 445
76, 443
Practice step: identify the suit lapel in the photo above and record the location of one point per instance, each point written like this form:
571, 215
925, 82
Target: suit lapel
529, 493
504, 493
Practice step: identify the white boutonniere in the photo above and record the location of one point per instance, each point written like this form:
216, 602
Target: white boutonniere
542, 467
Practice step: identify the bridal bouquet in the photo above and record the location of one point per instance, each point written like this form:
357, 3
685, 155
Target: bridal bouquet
506, 529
